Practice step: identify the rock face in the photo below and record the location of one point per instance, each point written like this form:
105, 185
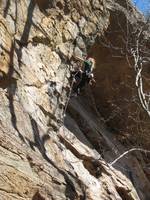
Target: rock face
51, 148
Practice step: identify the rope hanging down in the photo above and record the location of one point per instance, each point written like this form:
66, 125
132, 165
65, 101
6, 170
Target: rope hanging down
68, 98
126, 152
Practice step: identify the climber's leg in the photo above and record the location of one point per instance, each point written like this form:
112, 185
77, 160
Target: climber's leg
77, 77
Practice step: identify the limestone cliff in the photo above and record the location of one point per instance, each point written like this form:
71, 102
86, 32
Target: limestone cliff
52, 149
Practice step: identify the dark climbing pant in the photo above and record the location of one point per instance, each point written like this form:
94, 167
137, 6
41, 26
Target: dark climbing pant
84, 80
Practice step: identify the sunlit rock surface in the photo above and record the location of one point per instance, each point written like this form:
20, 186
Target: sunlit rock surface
45, 154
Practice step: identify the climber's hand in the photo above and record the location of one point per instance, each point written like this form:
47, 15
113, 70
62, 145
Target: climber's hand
94, 81
74, 80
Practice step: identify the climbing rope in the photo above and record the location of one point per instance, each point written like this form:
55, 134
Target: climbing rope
126, 152
65, 108
69, 96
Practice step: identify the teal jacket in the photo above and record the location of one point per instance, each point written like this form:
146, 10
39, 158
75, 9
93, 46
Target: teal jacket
87, 67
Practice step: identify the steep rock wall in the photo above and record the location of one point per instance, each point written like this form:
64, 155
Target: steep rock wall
40, 157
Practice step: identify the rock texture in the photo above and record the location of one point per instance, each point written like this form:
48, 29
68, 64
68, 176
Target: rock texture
45, 154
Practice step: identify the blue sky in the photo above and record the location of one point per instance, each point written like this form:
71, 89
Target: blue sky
143, 5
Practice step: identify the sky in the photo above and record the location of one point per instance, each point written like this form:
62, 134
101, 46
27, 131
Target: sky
143, 5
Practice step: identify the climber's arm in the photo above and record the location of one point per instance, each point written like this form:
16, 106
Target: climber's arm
78, 58
92, 79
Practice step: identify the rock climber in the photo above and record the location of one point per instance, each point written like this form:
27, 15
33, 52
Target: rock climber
84, 75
